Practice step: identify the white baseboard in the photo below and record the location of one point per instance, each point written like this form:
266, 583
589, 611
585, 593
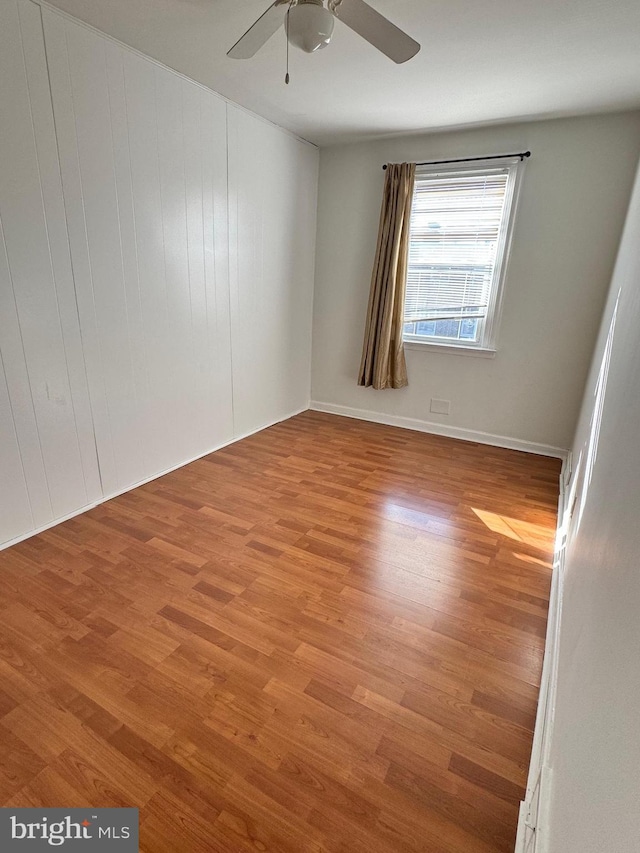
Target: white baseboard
129, 488
544, 811
533, 823
441, 429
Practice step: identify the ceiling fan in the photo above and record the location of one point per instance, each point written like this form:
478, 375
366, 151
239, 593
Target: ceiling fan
309, 26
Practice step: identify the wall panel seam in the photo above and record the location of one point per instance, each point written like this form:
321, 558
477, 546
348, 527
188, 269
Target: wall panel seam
116, 196
71, 265
26, 370
229, 255
15, 432
89, 263
46, 230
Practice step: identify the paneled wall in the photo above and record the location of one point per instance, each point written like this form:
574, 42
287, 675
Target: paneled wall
143, 158
124, 269
47, 453
272, 178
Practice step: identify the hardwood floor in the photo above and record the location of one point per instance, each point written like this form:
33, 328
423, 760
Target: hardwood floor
326, 637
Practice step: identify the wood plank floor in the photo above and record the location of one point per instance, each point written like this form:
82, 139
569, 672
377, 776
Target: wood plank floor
326, 637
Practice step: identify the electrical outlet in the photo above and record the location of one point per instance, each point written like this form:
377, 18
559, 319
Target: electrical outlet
440, 407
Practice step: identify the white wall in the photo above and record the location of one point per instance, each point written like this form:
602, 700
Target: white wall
595, 748
574, 196
156, 285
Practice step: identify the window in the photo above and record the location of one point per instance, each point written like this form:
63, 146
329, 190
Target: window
461, 221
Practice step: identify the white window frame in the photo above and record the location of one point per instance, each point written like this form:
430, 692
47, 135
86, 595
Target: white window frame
487, 338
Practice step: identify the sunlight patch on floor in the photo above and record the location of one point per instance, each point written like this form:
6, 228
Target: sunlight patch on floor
536, 535
527, 558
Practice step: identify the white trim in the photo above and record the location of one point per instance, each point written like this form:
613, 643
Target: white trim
157, 476
525, 831
449, 349
535, 808
543, 817
567, 474
441, 429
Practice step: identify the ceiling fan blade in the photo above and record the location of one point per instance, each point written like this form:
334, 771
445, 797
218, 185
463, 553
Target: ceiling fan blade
375, 28
266, 25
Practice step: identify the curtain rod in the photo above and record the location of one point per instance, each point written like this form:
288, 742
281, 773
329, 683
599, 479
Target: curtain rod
521, 154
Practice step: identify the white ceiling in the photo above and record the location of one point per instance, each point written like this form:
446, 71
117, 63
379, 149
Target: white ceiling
481, 61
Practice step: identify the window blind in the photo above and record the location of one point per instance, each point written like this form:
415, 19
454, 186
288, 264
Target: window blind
455, 228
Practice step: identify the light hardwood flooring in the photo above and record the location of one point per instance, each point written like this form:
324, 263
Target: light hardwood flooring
326, 637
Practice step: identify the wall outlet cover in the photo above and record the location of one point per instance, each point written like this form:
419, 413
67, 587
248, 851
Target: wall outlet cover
440, 407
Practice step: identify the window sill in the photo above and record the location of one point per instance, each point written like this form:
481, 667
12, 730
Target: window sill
450, 349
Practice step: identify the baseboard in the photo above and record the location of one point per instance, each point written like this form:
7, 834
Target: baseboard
441, 429
544, 811
129, 488
533, 823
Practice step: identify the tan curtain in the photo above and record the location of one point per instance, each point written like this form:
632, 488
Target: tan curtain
383, 364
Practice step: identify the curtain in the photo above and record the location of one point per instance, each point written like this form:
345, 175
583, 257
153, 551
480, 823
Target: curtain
383, 364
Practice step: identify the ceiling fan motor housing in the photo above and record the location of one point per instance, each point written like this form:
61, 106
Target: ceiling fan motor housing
309, 25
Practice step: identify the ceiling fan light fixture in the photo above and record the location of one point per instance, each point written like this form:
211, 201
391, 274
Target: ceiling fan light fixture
310, 25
